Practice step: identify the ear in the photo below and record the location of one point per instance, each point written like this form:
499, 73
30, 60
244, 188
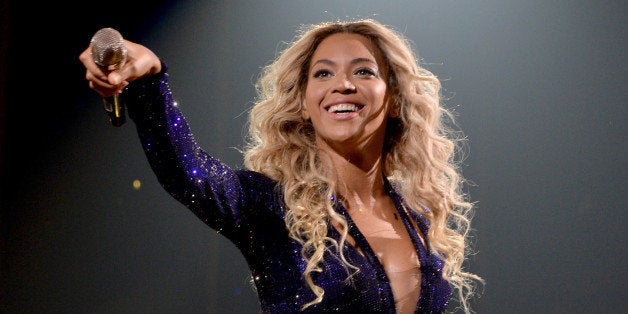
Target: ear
304, 113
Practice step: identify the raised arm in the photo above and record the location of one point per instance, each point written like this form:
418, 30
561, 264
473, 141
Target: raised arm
201, 182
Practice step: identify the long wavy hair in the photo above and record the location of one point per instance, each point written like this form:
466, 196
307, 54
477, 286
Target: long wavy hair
419, 153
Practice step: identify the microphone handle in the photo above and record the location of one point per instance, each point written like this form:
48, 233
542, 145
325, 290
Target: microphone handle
115, 109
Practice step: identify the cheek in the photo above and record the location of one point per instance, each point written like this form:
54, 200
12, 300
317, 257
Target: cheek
310, 102
378, 95
380, 91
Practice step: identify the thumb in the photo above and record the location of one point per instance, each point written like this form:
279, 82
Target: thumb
115, 78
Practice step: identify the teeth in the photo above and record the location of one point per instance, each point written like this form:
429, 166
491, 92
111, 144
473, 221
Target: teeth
343, 108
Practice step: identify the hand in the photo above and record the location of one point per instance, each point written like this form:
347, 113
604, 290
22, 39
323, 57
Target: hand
140, 62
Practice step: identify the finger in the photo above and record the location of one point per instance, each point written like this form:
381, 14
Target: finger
98, 90
100, 79
115, 78
103, 87
141, 62
88, 62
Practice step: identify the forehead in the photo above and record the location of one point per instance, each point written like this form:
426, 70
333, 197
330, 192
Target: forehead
340, 46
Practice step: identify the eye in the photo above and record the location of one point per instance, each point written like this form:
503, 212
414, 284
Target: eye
322, 74
366, 72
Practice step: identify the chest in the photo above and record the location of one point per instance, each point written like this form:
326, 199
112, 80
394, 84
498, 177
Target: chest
387, 237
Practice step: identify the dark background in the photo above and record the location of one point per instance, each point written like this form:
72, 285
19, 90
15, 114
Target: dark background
538, 87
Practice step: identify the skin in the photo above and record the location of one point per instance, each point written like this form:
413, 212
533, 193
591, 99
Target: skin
140, 62
345, 69
348, 69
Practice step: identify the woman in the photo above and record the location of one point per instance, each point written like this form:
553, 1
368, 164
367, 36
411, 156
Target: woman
350, 201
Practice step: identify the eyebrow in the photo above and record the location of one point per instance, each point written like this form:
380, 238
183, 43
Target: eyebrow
354, 61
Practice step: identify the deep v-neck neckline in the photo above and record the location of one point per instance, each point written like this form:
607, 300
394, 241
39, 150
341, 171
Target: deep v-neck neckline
361, 242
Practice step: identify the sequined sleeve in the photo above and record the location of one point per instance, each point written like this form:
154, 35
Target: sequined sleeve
201, 182
246, 208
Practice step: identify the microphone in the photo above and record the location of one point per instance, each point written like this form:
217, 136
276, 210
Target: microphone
109, 52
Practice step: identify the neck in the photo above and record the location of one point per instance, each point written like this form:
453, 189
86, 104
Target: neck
360, 180
358, 170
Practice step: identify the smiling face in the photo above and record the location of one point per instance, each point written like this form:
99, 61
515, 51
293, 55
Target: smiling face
345, 96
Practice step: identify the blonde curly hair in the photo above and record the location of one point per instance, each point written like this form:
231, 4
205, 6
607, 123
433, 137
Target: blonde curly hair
418, 154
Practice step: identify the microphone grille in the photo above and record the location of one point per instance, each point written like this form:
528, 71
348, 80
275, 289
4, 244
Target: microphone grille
108, 49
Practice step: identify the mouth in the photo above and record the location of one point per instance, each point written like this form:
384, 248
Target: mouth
344, 108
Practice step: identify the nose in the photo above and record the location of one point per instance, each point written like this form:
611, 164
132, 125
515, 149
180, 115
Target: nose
344, 85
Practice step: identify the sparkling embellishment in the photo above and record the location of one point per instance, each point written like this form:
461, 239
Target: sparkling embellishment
245, 207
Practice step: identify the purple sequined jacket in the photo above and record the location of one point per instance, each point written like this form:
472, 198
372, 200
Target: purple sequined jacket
247, 208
